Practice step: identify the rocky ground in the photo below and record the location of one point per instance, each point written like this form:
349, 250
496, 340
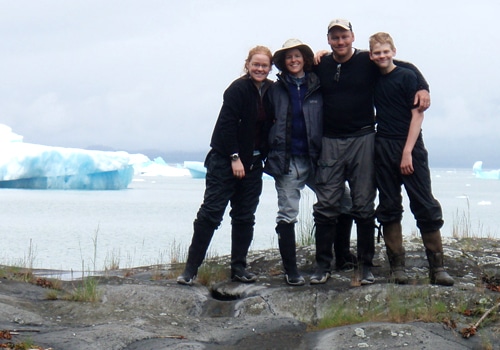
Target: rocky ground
144, 308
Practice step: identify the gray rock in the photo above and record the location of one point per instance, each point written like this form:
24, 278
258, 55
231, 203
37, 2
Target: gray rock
137, 311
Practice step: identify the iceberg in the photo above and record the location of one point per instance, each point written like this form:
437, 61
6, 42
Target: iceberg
477, 168
196, 169
33, 166
157, 167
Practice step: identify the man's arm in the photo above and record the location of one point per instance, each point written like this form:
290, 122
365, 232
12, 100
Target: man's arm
422, 97
417, 118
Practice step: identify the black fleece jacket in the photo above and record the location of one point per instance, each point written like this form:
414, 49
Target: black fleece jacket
235, 129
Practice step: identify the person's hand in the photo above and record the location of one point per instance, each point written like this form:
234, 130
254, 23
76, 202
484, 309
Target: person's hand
406, 164
238, 169
423, 100
319, 54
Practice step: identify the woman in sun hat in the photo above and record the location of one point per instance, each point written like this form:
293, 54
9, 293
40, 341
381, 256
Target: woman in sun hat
294, 102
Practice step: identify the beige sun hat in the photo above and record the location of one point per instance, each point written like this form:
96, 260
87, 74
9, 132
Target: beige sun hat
340, 22
279, 55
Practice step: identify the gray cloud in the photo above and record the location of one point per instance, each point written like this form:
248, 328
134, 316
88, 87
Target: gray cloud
150, 75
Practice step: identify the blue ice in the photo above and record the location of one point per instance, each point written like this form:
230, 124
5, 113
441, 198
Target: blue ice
33, 166
477, 168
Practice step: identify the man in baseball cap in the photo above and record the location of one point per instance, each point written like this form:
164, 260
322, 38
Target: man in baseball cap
347, 77
339, 22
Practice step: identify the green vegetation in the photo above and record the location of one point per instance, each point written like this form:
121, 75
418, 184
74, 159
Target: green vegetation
462, 225
86, 290
112, 261
212, 272
401, 305
177, 253
304, 228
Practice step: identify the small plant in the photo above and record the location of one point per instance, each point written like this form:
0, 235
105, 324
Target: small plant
94, 241
177, 254
85, 291
342, 315
305, 225
30, 258
52, 295
27, 344
397, 305
462, 227
305, 235
17, 273
112, 261
158, 267
211, 272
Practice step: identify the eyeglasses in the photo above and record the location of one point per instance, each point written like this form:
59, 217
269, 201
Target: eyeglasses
337, 75
258, 65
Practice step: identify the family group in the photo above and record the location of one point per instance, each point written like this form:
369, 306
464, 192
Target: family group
345, 123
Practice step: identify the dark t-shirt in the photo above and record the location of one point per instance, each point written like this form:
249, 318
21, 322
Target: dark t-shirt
394, 95
348, 94
348, 88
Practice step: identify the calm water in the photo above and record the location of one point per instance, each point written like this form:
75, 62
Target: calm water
145, 223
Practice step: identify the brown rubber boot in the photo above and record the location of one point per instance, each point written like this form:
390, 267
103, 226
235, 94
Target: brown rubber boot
434, 251
393, 238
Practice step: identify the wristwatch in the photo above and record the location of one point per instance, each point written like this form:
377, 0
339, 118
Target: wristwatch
234, 157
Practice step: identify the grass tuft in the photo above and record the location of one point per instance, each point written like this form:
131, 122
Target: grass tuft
85, 291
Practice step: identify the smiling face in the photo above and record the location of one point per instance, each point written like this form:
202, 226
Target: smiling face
294, 62
382, 55
340, 40
258, 67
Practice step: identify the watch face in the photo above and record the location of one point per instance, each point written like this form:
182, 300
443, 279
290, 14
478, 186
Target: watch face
235, 157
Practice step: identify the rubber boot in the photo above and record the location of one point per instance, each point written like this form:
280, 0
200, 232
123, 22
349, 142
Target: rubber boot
324, 237
241, 238
366, 249
393, 238
434, 251
202, 235
344, 259
286, 243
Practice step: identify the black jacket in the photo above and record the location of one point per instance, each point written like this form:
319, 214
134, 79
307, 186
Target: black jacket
235, 128
279, 109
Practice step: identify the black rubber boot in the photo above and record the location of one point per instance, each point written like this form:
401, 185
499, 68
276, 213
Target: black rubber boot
434, 251
325, 234
393, 238
286, 243
241, 238
366, 249
344, 259
202, 235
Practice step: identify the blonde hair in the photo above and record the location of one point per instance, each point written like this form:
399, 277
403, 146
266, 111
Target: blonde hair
381, 38
259, 49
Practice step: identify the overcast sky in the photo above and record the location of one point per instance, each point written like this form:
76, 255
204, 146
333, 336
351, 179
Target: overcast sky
150, 74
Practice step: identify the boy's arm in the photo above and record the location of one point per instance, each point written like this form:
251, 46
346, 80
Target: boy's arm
422, 97
417, 118
319, 54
